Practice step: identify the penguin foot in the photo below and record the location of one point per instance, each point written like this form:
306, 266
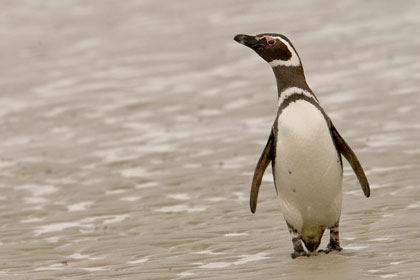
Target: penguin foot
297, 243
334, 244
296, 254
334, 247
331, 247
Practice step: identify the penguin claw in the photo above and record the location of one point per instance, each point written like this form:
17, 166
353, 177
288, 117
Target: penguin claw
296, 254
338, 249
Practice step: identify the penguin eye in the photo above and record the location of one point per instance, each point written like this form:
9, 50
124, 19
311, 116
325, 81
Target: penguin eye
271, 42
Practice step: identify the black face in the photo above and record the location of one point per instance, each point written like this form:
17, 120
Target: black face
267, 45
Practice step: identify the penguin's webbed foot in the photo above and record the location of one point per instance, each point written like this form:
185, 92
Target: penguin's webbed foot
297, 243
296, 254
332, 246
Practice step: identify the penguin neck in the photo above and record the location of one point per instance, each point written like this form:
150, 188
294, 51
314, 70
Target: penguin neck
289, 76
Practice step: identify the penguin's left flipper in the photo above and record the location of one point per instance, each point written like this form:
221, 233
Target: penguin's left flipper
262, 164
348, 153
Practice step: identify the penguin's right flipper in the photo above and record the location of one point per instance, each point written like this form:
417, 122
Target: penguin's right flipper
262, 164
348, 153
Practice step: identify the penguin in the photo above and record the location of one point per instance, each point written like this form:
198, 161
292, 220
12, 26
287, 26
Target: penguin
305, 150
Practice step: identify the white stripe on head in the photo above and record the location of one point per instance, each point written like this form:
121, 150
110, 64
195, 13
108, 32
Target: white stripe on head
294, 90
293, 60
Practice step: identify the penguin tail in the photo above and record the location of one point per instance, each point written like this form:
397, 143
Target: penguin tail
312, 238
312, 246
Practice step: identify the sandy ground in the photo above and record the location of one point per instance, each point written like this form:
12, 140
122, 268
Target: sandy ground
130, 131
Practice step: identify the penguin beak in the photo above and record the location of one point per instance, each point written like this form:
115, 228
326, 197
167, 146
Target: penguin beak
249, 41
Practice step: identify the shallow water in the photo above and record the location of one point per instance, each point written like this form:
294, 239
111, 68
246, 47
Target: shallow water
130, 132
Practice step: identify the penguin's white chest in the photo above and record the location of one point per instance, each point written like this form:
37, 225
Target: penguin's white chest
308, 172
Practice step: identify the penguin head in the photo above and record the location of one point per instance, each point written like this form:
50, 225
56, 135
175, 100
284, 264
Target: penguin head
274, 48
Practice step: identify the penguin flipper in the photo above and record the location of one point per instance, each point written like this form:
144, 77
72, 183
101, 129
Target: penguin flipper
351, 157
262, 164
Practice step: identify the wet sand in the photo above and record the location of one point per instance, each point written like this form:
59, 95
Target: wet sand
130, 131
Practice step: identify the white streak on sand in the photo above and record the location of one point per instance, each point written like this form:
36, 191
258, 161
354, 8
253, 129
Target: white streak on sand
414, 205
386, 276
185, 274
116, 219
56, 266
57, 227
243, 260
105, 217
179, 196
233, 234
357, 248
93, 269
37, 190
32, 220
133, 172
78, 256
81, 206
251, 258
216, 265
115, 192
349, 238
180, 208
240, 196
146, 185
116, 155
83, 224
6, 163
139, 261
380, 239
52, 239
207, 252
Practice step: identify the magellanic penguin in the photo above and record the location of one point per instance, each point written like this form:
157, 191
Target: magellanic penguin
305, 150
